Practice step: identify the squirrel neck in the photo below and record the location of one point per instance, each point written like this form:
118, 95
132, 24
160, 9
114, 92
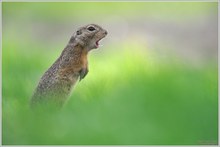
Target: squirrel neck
74, 50
73, 56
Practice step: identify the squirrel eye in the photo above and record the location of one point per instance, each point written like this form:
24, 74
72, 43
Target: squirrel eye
91, 28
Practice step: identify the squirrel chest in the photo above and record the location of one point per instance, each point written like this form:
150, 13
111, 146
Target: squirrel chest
77, 66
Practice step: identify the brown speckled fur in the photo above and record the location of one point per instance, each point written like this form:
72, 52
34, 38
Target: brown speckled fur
56, 83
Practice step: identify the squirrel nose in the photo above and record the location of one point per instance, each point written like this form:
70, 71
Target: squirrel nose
105, 32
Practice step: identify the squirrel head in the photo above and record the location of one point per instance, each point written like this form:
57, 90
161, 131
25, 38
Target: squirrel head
88, 37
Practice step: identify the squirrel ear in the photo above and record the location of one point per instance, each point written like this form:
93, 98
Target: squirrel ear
78, 32
72, 39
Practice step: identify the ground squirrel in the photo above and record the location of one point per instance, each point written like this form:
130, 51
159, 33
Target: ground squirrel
56, 83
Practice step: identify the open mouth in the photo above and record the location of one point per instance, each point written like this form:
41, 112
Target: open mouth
97, 43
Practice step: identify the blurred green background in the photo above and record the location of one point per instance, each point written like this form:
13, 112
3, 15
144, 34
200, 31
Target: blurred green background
154, 81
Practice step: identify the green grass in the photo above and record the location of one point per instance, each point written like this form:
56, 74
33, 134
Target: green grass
127, 98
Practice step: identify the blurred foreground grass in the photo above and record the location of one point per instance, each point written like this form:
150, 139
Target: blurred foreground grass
127, 98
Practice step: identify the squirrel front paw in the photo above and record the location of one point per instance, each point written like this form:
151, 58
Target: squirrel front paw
82, 73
